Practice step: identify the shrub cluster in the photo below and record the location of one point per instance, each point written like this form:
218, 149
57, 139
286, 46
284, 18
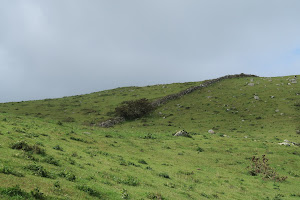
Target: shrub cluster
22, 145
89, 190
261, 167
134, 109
16, 192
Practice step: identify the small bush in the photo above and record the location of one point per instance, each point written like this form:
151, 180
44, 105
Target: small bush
39, 170
199, 149
90, 191
297, 104
261, 167
59, 148
7, 170
164, 175
130, 180
37, 194
125, 194
67, 175
57, 186
15, 191
142, 161
149, 136
51, 160
134, 109
22, 145
155, 196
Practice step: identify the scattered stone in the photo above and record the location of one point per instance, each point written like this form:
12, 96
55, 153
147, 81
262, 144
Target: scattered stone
182, 133
298, 131
87, 133
285, 144
246, 137
281, 114
256, 97
289, 83
277, 110
272, 97
288, 143
224, 135
251, 84
112, 122
293, 80
211, 131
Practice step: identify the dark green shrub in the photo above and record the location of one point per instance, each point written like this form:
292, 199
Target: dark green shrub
7, 170
149, 136
90, 191
57, 186
59, 148
51, 160
37, 194
164, 175
78, 139
142, 161
39, 170
15, 191
22, 145
199, 149
67, 175
134, 109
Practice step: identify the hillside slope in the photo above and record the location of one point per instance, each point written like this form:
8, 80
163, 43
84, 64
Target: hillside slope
90, 108
141, 159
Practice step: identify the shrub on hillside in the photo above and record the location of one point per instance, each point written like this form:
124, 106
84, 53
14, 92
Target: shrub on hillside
261, 167
134, 109
22, 145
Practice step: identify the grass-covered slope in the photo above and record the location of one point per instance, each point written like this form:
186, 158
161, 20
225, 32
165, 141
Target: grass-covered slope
91, 108
141, 159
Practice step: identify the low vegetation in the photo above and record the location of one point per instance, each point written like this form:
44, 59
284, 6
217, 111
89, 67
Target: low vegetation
54, 148
134, 109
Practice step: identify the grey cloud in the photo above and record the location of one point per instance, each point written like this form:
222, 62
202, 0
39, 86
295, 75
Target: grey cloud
58, 48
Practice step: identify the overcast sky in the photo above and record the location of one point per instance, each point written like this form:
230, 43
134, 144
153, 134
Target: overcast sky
55, 48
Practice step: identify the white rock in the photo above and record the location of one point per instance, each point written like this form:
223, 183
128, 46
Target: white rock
211, 131
251, 84
182, 133
256, 97
293, 80
284, 143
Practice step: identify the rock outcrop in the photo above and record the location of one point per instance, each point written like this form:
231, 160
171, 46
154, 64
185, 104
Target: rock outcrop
182, 133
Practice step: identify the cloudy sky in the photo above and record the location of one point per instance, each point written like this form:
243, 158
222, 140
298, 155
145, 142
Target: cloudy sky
55, 48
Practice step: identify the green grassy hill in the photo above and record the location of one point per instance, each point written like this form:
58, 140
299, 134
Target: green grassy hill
52, 149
